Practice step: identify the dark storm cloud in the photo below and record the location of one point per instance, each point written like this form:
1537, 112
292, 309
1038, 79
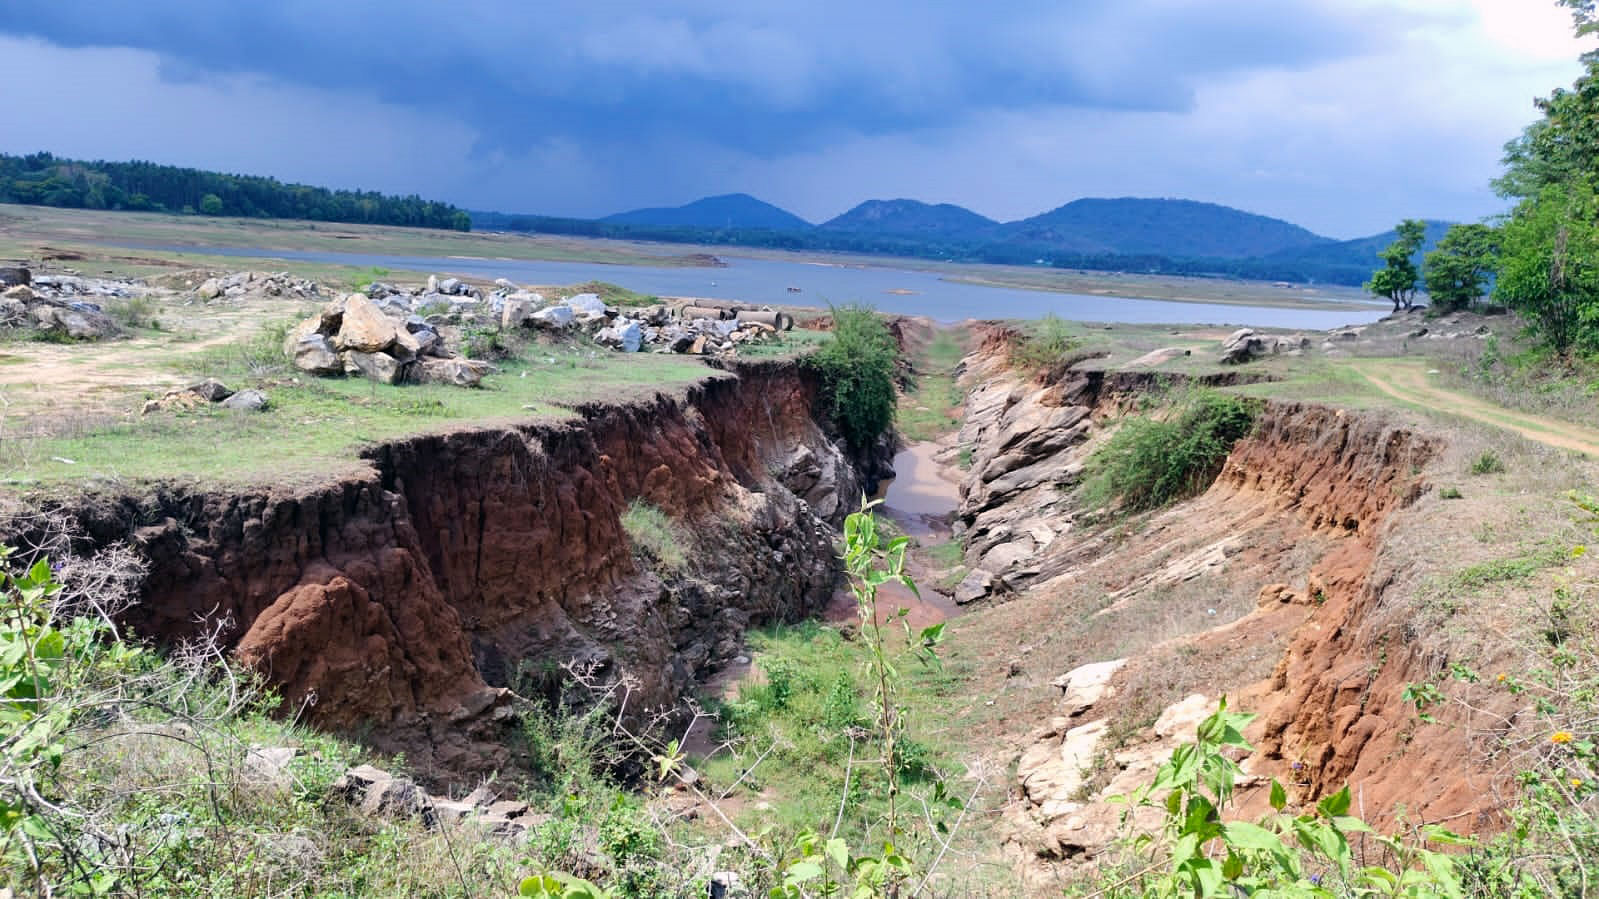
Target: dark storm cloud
756, 76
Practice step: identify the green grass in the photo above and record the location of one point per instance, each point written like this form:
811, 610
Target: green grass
654, 534
929, 408
787, 344
813, 693
318, 426
1514, 568
945, 555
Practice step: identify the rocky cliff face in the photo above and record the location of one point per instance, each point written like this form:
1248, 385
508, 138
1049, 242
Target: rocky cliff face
402, 602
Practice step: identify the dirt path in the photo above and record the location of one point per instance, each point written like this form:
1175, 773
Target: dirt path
1409, 382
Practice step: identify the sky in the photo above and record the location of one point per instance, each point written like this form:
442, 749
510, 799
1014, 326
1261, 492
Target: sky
1340, 115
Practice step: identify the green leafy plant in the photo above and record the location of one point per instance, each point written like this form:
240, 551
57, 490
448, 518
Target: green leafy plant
1152, 461
1199, 854
857, 369
1487, 463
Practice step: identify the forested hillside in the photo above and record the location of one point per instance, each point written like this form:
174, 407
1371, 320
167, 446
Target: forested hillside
42, 179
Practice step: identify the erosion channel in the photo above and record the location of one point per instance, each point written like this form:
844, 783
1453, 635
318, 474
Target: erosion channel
417, 602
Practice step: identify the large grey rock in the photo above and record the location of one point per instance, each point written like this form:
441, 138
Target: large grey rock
15, 275
380, 367
247, 401
85, 324
364, 328
513, 313
974, 586
457, 372
453, 286
209, 289
211, 389
625, 335
315, 354
587, 304
554, 318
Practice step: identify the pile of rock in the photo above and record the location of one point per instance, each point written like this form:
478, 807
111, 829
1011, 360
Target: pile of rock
272, 284
660, 329
386, 343
51, 304
1245, 345
206, 393
377, 792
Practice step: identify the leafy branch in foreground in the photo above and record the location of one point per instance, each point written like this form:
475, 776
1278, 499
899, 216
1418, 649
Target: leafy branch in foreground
1197, 854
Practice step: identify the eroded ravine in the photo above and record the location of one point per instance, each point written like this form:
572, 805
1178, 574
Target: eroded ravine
1267, 587
402, 603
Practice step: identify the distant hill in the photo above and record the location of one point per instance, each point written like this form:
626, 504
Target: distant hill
1174, 237
1173, 228
1360, 251
913, 217
725, 211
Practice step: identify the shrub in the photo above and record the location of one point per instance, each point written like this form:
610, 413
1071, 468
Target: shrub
1487, 463
857, 368
1047, 345
654, 534
133, 312
1449, 493
1152, 461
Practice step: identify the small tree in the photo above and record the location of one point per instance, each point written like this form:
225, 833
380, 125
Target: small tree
858, 367
1398, 277
210, 204
1459, 270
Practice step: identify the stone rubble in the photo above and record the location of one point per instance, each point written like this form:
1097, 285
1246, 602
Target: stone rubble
61, 304
688, 329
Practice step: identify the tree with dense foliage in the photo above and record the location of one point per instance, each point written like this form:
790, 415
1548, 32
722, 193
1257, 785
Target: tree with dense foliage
41, 179
1549, 252
1549, 266
1459, 270
858, 367
1398, 278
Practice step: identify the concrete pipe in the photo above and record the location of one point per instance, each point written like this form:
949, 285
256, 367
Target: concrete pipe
688, 313
779, 321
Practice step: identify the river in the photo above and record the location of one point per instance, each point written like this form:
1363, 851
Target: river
894, 290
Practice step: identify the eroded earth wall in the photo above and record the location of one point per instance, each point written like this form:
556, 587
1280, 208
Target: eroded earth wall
401, 602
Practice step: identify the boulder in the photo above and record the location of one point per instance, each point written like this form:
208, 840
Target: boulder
364, 328
83, 324
513, 313
246, 401
15, 275
209, 289
457, 372
211, 390
452, 286
625, 335
380, 367
12, 311
587, 304
554, 318
974, 586
314, 354
20, 292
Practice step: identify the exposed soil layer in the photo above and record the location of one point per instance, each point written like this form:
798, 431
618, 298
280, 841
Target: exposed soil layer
1270, 587
402, 602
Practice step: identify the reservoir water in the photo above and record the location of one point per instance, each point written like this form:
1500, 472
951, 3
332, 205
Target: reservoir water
817, 284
